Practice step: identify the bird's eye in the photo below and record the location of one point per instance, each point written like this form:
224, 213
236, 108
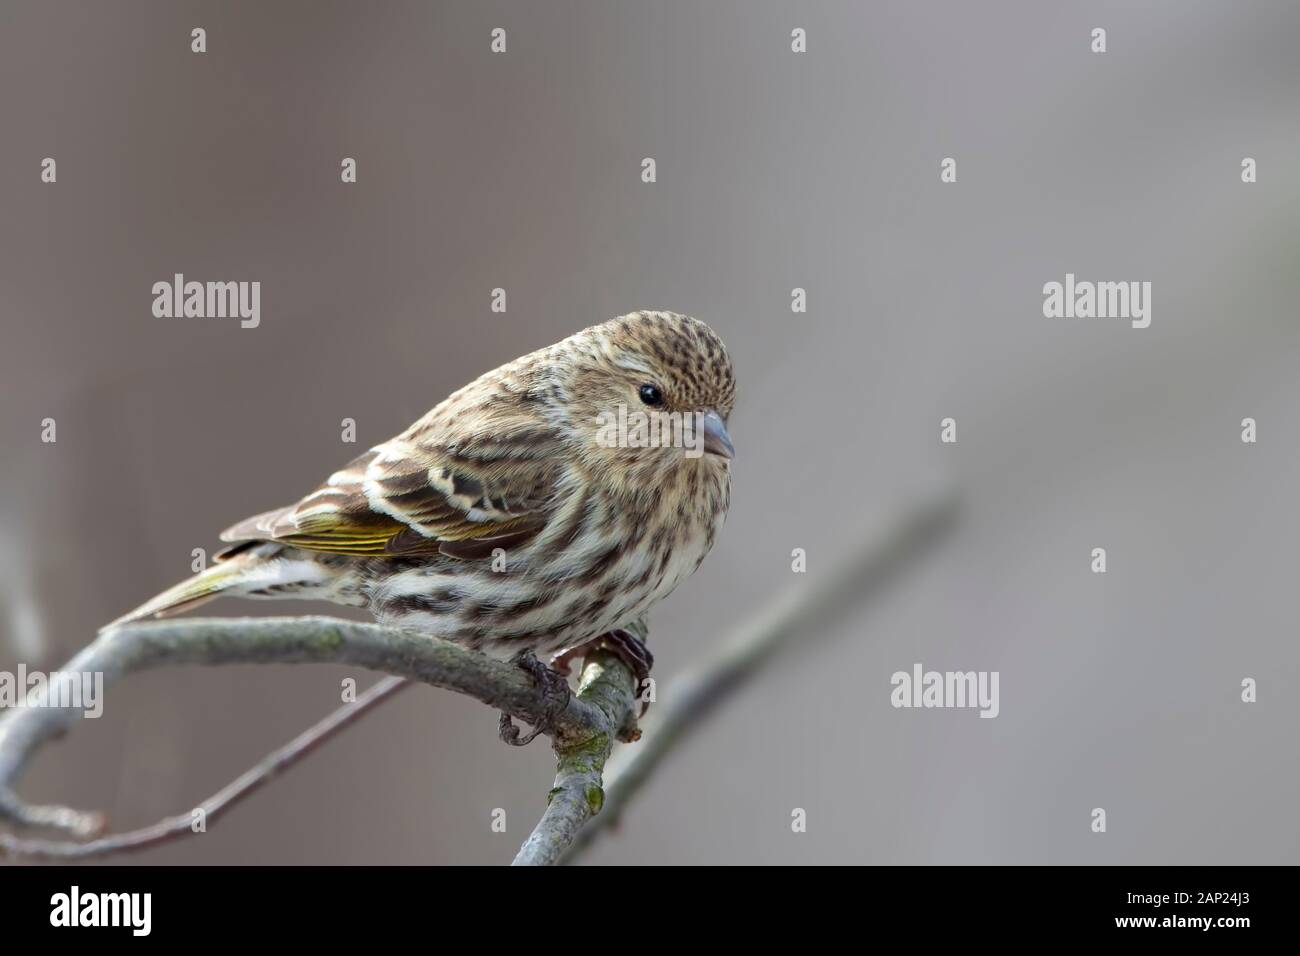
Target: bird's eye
650, 395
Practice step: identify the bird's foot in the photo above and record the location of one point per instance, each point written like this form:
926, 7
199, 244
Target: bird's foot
631, 650
555, 694
624, 645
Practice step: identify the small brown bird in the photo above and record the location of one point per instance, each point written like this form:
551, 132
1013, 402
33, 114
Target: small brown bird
538, 510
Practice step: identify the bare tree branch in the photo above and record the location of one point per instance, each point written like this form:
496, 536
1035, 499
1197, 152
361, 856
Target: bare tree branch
142, 646
583, 730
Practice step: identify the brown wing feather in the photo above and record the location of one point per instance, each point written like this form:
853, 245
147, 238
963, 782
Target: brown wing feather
463, 495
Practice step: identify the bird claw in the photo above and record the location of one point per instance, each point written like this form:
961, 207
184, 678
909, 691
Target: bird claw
555, 693
624, 645
631, 650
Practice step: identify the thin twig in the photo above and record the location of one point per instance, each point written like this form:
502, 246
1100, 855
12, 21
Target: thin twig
183, 825
582, 733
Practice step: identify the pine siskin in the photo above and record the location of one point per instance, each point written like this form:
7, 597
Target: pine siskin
516, 518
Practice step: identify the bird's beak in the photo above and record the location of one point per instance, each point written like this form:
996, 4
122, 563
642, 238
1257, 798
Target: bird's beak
716, 439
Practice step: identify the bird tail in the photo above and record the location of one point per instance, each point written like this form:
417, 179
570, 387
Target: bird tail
231, 571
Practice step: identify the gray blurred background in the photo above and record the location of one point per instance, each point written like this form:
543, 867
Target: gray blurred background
775, 170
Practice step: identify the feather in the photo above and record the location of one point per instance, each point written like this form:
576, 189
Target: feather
221, 576
424, 489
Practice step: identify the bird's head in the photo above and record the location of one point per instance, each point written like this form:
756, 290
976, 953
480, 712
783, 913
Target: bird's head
650, 389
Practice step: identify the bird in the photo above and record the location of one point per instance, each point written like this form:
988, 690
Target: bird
537, 511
